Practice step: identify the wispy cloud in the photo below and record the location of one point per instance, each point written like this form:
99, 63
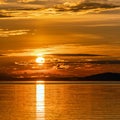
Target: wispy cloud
7, 33
35, 8
84, 6
18, 6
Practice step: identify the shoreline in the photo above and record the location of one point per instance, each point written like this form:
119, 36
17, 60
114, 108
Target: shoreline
62, 82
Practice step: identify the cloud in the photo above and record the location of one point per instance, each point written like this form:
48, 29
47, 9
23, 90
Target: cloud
18, 6
2, 15
7, 33
35, 8
2, 55
110, 11
84, 6
15, 1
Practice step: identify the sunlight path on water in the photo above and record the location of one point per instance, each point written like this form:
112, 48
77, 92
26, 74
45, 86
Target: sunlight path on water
40, 102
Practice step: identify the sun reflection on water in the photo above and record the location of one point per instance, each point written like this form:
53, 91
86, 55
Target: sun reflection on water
40, 102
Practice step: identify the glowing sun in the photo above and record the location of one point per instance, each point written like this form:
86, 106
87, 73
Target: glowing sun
40, 60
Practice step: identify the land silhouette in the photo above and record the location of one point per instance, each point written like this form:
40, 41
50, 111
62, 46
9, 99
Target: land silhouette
108, 76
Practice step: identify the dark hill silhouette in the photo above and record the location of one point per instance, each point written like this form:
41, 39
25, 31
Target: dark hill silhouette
4, 76
104, 77
97, 77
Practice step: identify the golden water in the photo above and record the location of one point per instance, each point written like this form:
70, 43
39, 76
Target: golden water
59, 102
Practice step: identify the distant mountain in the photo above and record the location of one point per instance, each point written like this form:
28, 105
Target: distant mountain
104, 77
97, 77
4, 76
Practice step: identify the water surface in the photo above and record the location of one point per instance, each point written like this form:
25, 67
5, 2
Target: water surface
59, 101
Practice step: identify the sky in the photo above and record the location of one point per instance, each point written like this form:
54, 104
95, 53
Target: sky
11, 3
64, 19
85, 24
29, 8
63, 27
